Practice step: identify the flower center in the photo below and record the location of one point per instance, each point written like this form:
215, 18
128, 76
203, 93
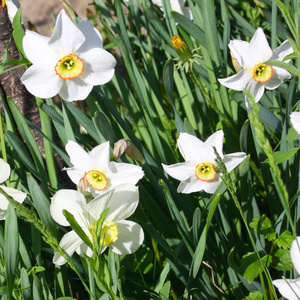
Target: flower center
205, 172
109, 233
96, 179
262, 73
69, 67
3, 3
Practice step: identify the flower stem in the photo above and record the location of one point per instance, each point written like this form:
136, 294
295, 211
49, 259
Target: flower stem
266, 147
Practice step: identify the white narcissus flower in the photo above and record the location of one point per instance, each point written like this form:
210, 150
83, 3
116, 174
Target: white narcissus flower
198, 172
255, 75
178, 6
95, 173
290, 288
295, 119
69, 63
122, 236
15, 194
12, 8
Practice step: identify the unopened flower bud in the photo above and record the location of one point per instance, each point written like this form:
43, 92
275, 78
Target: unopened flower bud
129, 148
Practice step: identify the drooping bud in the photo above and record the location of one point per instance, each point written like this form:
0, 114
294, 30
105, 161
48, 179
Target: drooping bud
129, 148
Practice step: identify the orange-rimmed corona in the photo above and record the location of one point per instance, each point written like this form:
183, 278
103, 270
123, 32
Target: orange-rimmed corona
205, 171
96, 179
69, 67
262, 73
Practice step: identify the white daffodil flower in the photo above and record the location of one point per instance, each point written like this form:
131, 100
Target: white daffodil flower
15, 194
95, 173
122, 236
295, 119
176, 5
290, 288
255, 75
198, 172
69, 63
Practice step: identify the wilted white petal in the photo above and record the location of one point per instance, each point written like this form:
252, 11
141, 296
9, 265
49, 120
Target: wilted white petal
69, 242
130, 237
72, 201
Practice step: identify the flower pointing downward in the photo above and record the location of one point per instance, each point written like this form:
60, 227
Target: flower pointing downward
199, 172
69, 63
122, 236
255, 75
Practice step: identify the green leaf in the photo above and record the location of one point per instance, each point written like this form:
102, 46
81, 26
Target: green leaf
25, 285
168, 78
256, 295
70, 218
282, 260
285, 240
11, 247
252, 267
18, 32
292, 135
264, 226
282, 156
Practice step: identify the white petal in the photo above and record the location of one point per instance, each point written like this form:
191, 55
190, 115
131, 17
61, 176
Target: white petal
259, 46
256, 89
66, 37
282, 51
99, 66
123, 202
237, 81
285, 290
69, 242
93, 38
75, 89
215, 140
84, 249
233, 159
240, 50
72, 201
99, 157
4, 170
186, 11
295, 254
38, 51
14, 193
194, 184
130, 237
279, 75
43, 83
181, 171
124, 173
189, 146
295, 119
78, 156
74, 174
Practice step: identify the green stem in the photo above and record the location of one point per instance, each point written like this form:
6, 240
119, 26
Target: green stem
232, 190
3, 149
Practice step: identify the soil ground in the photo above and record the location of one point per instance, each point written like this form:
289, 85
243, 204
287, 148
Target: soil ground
38, 12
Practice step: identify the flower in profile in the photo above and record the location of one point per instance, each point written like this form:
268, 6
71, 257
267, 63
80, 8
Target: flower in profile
69, 63
117, 233
15, 194
199, 171
295, 119
95, 173
290, 288
176, 5
255, 75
